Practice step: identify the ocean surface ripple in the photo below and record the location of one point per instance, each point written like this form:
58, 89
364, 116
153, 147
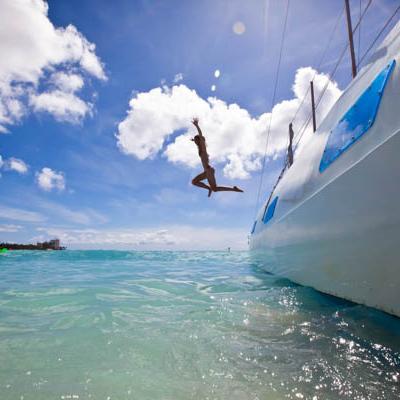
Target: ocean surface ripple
183, 325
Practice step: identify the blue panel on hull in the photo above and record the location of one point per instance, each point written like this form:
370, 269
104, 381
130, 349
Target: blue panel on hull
253, 228
270, 210
357, 120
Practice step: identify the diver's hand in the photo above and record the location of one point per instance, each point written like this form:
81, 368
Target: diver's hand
195, 121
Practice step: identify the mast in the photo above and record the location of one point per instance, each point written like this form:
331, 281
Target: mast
290, 147
351, 43
314, 122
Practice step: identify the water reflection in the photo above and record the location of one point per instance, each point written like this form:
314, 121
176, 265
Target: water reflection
184, 326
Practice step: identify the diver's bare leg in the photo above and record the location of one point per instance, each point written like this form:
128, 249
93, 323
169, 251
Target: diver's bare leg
213, 183
197, 182
226, 189
201, 185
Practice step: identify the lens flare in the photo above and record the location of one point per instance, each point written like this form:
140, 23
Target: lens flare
239, 27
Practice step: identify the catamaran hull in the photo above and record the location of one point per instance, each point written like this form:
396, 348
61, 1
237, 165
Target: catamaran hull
345, 239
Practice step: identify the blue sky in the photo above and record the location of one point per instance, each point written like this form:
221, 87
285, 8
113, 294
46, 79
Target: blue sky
65, 102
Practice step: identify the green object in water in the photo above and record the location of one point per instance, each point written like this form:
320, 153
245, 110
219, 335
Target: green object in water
3, 250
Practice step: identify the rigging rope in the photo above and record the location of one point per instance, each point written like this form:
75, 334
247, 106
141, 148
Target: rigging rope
285, 164
272, 104
321, 60
359, 36
304, 127
331, 75
379, 34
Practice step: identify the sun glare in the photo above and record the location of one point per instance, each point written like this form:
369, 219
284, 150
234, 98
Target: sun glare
239, 27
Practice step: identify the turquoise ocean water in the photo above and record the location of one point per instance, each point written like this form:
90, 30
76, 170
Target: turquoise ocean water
183, 325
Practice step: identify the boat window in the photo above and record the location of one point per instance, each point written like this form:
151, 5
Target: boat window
270, 210
357, 120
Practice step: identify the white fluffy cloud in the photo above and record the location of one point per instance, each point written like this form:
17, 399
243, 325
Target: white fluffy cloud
48, 179
178, 77
64, 106
35, 56
15, 164
235, 139
67, 82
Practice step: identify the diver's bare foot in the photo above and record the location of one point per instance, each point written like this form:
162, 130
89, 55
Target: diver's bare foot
236, 189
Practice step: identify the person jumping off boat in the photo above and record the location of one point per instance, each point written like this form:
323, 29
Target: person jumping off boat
209, 171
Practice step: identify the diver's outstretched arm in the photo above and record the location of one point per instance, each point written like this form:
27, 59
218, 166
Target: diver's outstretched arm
195, 122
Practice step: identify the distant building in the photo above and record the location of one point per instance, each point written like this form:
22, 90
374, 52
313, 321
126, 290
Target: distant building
55, 244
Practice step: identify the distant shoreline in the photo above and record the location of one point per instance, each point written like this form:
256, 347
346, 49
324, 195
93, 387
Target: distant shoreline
50, 245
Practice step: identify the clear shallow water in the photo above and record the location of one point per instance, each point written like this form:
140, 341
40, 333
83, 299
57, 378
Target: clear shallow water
178, 325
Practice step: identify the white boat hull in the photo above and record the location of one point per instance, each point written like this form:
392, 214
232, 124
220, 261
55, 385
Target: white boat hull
337, 228
345, 240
